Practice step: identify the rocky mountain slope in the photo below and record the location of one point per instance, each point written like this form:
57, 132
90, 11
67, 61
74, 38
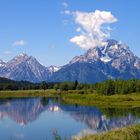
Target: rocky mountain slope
24, 67
111, 60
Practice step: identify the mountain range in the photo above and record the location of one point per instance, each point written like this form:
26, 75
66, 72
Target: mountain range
111, 60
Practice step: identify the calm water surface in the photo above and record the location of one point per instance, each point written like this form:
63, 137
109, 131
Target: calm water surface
40, 118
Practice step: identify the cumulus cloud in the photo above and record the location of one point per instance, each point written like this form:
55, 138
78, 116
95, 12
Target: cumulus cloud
92, 27
19, 43
65, 5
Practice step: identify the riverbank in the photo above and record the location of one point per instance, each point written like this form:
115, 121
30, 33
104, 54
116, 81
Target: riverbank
126, 133
79, 98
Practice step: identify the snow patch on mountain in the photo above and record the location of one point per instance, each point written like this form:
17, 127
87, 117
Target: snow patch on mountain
106, 59
53, 69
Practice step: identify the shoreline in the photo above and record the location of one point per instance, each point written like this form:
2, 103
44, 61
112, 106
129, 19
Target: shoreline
75, 98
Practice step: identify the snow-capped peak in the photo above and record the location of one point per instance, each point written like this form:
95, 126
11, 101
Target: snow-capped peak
54, 68
23, 55
111, 49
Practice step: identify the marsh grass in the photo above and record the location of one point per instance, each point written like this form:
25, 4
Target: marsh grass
28, 93
129, 100
126, 133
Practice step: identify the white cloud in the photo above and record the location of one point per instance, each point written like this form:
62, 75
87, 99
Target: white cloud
92, 28
78, 29
65, 5
67, 12
19, 43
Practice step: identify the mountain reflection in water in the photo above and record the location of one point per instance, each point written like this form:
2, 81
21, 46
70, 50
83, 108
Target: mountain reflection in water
28, 110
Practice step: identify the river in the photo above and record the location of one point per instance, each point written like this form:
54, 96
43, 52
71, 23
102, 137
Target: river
44, 118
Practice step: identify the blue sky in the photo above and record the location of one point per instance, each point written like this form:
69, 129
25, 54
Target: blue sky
41, 29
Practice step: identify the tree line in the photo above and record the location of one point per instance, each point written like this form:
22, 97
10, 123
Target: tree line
7, 84
109, 87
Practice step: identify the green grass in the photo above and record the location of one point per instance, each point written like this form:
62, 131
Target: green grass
28, 93
126, 133
129, 100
